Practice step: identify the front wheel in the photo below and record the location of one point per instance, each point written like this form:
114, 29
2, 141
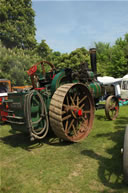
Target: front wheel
125, 156
112, 107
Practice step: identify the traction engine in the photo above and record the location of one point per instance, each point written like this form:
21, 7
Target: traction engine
61, 100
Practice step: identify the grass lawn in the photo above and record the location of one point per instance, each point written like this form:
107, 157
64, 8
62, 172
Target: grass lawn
52, 166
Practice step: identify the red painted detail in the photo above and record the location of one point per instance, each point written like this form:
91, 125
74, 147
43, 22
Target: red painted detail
116, 108
4, 119
40, 88
0, 100
80, 112
75, 110
32, 70
52, 76
4, 115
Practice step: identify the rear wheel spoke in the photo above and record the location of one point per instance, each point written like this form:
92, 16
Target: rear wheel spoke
82, 106
73, 103
70, 125
66, 117
73, 114
74, 130
66, 126
82, 99
77, 100
86, 112
74, 96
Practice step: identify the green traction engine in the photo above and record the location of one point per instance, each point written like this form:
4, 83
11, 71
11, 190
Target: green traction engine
61, 100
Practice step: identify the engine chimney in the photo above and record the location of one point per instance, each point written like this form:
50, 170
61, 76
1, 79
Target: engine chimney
93, 59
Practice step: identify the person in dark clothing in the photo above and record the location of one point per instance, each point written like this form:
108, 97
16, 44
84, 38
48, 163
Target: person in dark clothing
3, 88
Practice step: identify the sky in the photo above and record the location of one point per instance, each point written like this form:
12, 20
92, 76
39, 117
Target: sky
67, 25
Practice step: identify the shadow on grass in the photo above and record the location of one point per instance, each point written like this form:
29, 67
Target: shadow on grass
2, 123
101, 117
18, 139
110, 170
121, 123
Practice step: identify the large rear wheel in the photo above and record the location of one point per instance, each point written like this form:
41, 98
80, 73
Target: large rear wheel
71, 112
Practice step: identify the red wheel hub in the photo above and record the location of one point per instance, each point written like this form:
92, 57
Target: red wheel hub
79, 112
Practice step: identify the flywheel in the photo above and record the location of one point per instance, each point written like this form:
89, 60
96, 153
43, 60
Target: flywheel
71, 112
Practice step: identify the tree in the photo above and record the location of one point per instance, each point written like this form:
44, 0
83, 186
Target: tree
72, 60
17, 27
15, 63
103, 51
113, 61
123, 44
119, 58
78, 56
44, 50
56, 58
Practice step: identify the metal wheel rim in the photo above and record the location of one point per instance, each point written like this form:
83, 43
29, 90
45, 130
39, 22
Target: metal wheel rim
112, 107
76, 112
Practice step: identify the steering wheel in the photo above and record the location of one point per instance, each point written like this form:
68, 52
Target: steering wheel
33, 69
31, 72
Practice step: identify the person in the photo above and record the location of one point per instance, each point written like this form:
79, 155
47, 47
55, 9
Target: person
3, 88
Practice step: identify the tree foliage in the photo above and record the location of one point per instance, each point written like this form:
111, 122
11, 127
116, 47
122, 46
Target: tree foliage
103, 51
15, 63
118, 63
44, 50
71, 60
19, 50
113, 60
17, 27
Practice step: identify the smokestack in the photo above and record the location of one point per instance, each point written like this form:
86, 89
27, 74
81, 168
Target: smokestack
93, 59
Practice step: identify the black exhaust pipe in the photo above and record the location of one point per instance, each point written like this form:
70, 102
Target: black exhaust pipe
93, 60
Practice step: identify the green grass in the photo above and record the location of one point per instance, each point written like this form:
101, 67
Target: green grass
52, 166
